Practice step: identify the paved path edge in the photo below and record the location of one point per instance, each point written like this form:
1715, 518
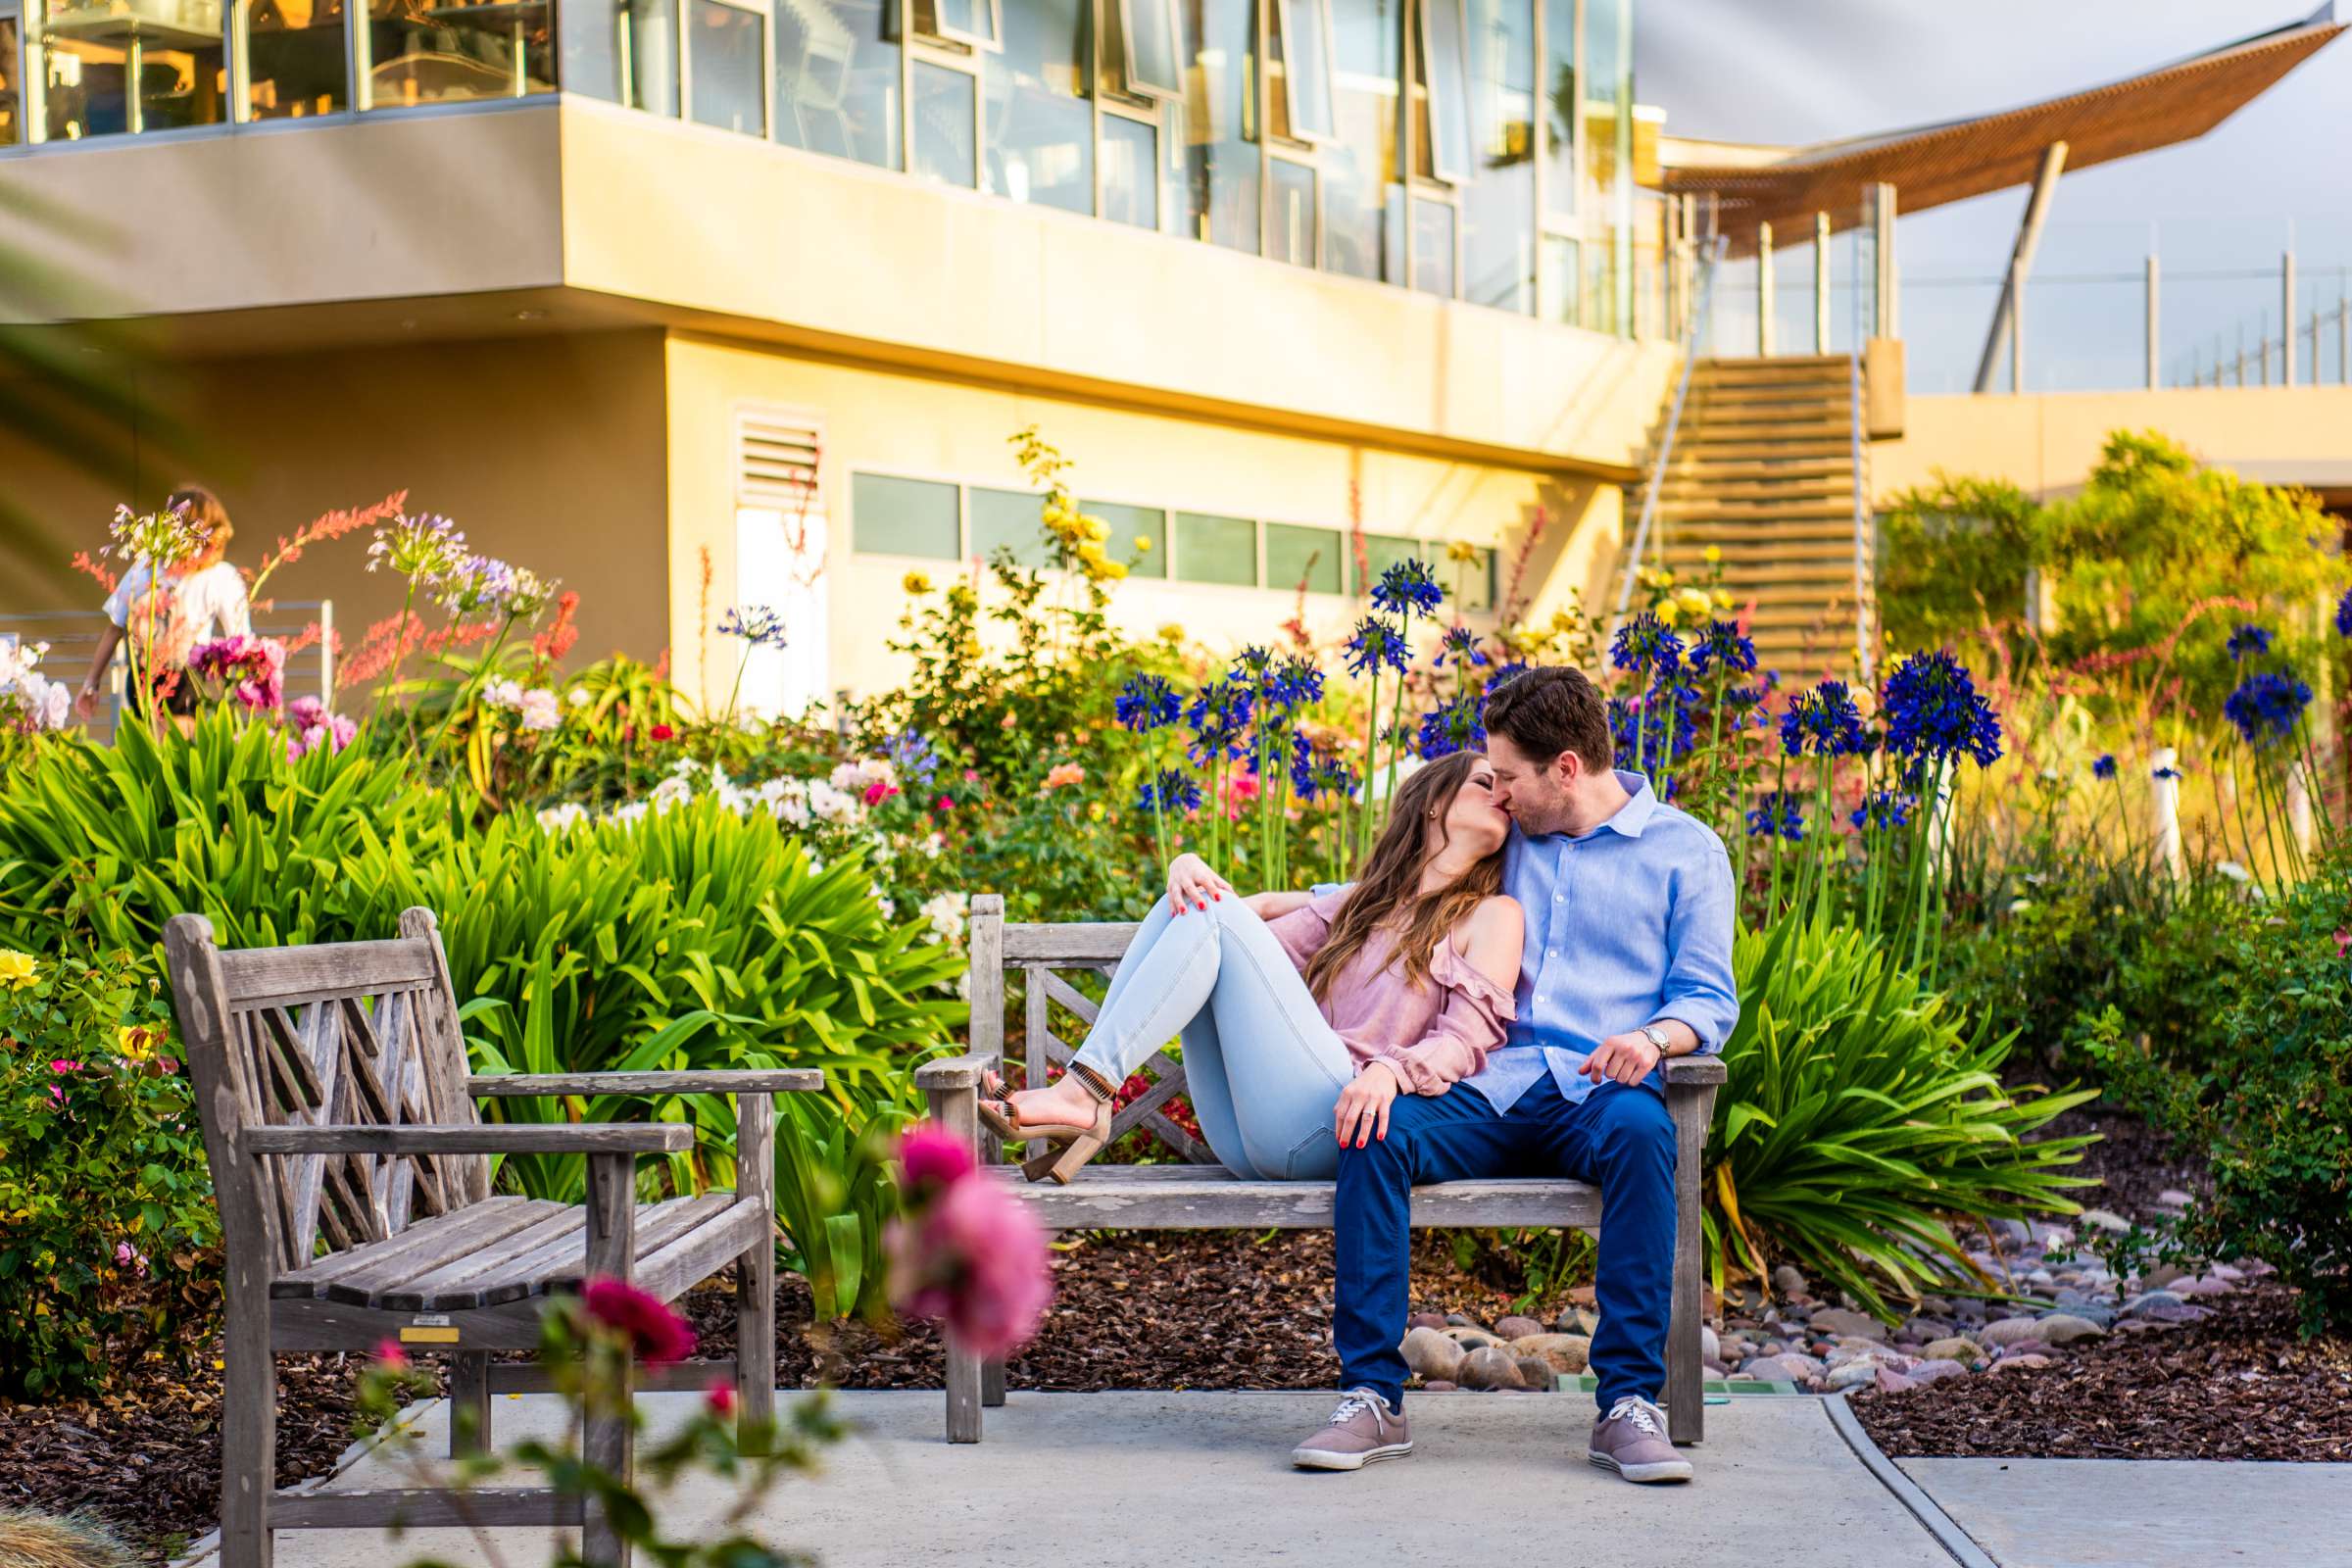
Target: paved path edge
1907, 1492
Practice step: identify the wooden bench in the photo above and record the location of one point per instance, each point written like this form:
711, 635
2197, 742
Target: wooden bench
1199, 1193
338, 1109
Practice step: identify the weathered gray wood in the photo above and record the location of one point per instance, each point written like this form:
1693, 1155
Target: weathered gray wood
958, 1113
324, 1325
449, 1278
686, 1377
1691, 1105
388, 1182
425, 1509
1695, 1070
951, 1072
605, 1441
717, 1081
484, 1138
701, 1250
1081, 1006
322, 1043
985, 942
468, 1403
1145, 1111
464, 1179
1036, 1034
564, 1266
1077, 941
756, 1271
1203, 1197
351, 1275
261, 977
992, 1385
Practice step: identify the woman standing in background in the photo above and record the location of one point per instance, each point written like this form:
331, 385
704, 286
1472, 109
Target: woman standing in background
167, 612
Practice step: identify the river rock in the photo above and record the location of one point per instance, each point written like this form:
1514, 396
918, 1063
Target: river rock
1535, 1372
2090, 1313
1426, 1320
1578, 1320
1440, 1387
1516, 1328
2146, 1303
1463, 1320
1936, 1368
1472, 1338
1710, 1343
1491, 1367
2017, 1364
2009, 1331
1563, 1352
2105, 1219
1838, 1320
1787, 1281
2174, 1198
2202, 1287
1855, 1375
1773, 1369
1432, 1355
1955, 1349
1892, 1381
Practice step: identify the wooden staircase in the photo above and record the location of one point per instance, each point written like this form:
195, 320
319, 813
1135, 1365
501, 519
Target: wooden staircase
1762, 470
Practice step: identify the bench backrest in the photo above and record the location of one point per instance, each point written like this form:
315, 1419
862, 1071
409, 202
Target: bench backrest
341, 1033
1041, 955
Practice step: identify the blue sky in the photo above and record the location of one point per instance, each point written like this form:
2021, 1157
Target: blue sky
1799, 71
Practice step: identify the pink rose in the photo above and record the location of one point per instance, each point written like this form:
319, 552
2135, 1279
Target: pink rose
657, 1335
975, 1260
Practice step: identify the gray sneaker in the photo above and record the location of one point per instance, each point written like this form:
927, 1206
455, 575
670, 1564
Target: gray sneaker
1363, 1428
1631, 1440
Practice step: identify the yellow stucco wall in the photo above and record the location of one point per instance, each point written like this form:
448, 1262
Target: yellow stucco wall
2047, 442
881, 422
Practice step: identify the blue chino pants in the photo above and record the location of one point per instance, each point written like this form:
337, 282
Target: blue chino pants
1618, 1138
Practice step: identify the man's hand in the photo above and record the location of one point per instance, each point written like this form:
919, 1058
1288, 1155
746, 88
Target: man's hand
1626, 1058
1191, 884
1362, 1113
85, 701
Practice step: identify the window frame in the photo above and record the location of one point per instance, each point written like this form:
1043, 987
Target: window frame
1130, 82
993, 44
1437, 92
14, 11
1286, 14
958, 487
764, 9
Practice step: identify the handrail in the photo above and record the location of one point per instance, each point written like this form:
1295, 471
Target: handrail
269, 619
1674, 420
1865, 655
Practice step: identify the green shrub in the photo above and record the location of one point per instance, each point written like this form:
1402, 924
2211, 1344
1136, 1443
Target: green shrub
105, 1202
1860, 1116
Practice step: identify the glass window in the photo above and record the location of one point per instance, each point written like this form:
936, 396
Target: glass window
446, 51
1364, 196
1465, 572
1041, 128
588, 48
1564, 280
1608, 87
1146, 52
1221, 550
837, 78
1446, 84
1498, 199
1221, 131
727, 63
1010, 519
88, 52
649, 56
1293, 236
974, 22
1303, 68
1561, 177
943, 125
1433, 247
1139, 536
12, 125
1381, 551
1130, 171
904, 517
295, 60
1302, 558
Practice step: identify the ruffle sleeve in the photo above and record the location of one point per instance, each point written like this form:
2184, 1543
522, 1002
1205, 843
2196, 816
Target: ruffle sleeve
1473, 1016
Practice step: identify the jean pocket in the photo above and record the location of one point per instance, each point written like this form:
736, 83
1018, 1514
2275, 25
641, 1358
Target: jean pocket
1314, 1158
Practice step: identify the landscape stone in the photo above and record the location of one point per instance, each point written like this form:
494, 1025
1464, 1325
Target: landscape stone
1935, 1368
1772, 1369
1516, 1328
2088, 1311
1463, 1320
1431, 1354
2107, 1221
1440, 1387
2203, 1287
2174, 1198
1787, 1281
1425, 1320
2053, 1236
1710, 1345
2162, 1275
1889, 1382
1838, 1320
1472, 1338
2012, 1231
2020, 1363
2025, 1348
1490, 1367
1855, 1375
2065, 1328
1955, 1349
1563, 1352
2009, 1331
2141, 1305
1535, 1372
1577, 1320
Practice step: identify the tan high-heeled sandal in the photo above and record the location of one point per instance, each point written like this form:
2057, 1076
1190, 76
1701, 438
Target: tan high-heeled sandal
1069, 1145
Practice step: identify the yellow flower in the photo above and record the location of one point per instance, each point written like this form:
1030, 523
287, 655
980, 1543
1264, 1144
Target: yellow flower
1722, 599
1461, 550
1094, 811
17, 969
915, 582
1142, 544
1695, 602
135, 1043
1712, 553
1171, 632
1095, 528
1669, 611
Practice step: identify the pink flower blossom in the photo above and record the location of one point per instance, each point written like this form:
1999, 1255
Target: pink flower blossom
975, 1260
62, 1065
2343, 943
933, 1158
1064, 773
946, 804
719, 1398
879, 790
657, 1335
252, 670
389, 1355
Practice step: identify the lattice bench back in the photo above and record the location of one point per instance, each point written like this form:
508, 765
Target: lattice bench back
344, 1032
1041, 955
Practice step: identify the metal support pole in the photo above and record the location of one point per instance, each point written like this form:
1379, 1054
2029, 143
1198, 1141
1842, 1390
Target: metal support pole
1821, 283
2151, 287
2007, 317
1888, 302
1764, 290
2286, 319
326, 653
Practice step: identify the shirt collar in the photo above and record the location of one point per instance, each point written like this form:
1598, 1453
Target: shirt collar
1641, 805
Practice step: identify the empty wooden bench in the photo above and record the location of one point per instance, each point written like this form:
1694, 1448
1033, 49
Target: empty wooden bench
1199, 1193
353, 1177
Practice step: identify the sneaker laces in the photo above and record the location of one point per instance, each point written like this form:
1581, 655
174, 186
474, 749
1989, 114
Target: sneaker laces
1355, 1403
1636, 1410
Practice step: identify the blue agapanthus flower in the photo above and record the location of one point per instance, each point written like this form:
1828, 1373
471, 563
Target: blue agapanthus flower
914, 758
1407, 589
1145, 703
1504, 675
1296, 683
1373, 644
2165, 773
2343, 614
1459, 726
1934, 711
1460, 647
2266, 707
760, 625
1883, 808
1172, 791
1723, 646
2248, 641
1782, 815
2103, 766
1657, 728
1824, 723
1646, 646
1220, 719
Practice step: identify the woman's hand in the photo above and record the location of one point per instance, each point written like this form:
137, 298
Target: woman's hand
1193, 885
1362, 1113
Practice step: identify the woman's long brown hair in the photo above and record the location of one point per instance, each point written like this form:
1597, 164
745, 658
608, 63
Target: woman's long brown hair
1388, 885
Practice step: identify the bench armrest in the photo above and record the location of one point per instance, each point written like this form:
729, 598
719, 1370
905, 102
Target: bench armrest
951, 1072
487, 1138
693, 1081
1695, 1070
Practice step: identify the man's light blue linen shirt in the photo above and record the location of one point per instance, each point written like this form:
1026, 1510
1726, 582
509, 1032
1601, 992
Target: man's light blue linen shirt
1626, 925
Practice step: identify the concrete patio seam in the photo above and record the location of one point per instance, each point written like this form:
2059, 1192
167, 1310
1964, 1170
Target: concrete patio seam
1907, 1492
208, 1545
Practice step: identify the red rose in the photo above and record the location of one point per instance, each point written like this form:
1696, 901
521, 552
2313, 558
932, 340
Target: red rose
662, 733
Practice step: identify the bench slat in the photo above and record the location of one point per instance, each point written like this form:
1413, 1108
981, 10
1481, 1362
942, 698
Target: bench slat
1194, 1197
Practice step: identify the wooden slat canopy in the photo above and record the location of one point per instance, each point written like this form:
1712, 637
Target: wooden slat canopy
1933, 165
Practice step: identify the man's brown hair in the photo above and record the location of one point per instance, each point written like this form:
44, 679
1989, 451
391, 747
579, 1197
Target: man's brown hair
1550, 710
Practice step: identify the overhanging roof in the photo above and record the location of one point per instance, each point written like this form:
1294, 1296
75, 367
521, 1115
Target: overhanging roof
1933, 165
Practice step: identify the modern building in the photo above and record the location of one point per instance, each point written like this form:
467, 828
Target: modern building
694, 303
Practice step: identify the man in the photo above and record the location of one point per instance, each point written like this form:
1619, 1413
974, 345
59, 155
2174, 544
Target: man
1629, 908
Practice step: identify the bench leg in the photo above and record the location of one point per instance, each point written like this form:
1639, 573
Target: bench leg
992, 1384
606, 1440
248, 1441
756, 1278
1691, 1107
963, 1397
468, 1403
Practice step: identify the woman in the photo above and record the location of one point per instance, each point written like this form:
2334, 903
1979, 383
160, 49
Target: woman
1304, 1016
168, 614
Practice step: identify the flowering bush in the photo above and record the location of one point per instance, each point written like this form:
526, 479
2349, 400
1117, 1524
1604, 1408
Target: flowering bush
250, 672
31, 702
105, 1210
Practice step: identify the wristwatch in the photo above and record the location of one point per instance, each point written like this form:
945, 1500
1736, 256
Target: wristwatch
1656, 1037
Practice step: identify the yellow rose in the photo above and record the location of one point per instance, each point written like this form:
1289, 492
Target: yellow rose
135, 1043
1095, 529
915, 582
1142, 544
1171, 632
1669, 611
1722, 599
1712, 553
17, 969
1695, 602
1461, 550
1112, 570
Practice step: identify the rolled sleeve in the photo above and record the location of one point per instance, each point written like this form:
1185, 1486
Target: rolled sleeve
1699, 988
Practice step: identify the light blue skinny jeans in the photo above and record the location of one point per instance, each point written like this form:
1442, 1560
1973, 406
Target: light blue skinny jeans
1261, 1068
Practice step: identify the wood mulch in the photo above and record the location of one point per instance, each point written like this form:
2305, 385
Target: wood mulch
2240, 1385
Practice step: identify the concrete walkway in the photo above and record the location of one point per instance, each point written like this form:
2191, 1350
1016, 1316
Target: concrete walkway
2145, 1513
1157, 1479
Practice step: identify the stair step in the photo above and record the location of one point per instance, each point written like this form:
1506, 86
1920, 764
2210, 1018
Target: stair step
1754, 411
1711, 433
1686, 469
1796, 508
1719, 448
1839, 487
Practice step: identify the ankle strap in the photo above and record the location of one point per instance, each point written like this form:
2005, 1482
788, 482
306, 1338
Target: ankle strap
1092, 1082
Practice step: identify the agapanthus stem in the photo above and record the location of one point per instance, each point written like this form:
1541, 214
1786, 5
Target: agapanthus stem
1364, 824
400, 649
